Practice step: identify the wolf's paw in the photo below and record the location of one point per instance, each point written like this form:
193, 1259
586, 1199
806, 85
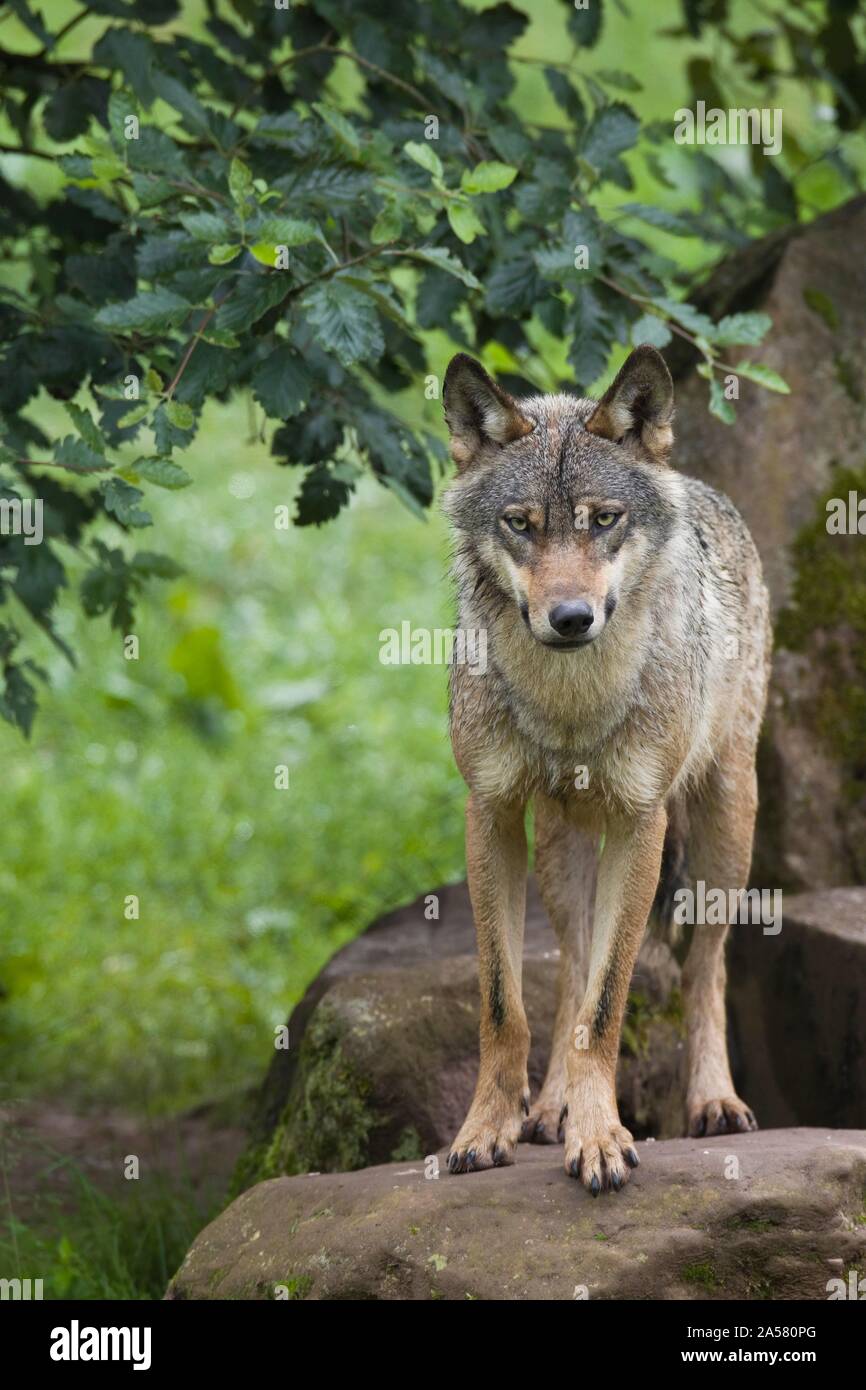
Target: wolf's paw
544, 1123
488, 1138
727, 1116
601, 1157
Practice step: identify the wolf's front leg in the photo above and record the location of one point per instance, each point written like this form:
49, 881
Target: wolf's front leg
496, 867
598, 1149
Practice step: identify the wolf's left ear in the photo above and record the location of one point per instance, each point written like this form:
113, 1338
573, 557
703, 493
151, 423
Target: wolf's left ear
476, 409
641, 402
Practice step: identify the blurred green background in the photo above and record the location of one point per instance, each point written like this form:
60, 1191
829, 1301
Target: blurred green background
155, 777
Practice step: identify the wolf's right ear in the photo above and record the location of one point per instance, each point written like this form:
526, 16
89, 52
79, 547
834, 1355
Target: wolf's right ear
477, 409
640, 402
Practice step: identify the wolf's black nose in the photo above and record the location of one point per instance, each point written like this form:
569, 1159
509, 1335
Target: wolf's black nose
571, 619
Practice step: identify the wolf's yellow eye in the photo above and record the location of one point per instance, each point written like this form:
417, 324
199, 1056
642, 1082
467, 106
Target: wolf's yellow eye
518, 524
606, 518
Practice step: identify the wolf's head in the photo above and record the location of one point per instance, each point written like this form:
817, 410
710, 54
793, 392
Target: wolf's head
561, 502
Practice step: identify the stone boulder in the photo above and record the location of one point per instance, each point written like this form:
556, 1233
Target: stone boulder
797, 1003
383, 1050
772, 1215
779, 463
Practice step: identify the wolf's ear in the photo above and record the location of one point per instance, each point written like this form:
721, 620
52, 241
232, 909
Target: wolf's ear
477, 409
640, 401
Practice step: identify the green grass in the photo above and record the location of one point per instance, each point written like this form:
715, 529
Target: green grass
110, 1248
155, 778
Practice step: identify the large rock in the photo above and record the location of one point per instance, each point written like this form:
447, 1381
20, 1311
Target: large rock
798, 1011
383, 1050
779, 463
773, 1215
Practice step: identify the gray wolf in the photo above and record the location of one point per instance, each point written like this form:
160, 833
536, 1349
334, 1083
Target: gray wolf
627, 665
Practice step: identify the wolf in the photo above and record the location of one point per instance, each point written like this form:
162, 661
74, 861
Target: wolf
628, 647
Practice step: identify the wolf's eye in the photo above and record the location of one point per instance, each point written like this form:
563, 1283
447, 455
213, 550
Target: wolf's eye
518, 524
606, 519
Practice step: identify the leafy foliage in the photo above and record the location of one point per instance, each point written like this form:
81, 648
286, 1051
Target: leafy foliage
231, 219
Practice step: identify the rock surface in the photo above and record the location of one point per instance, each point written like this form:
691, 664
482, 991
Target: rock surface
772, 1215
798, 1011
780, 461
383, 1049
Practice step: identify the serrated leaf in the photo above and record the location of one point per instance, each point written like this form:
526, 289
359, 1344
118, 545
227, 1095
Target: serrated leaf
465, 222
134, 416
162, 472
206, 226
720, 406
78, 457
741, 329
282, 383
649, 328
342, 128
286, 231
154, 311
86, 426
240, 183
180, 415
422, 153
121, 499
440, 257
764, 376
344, 321
612, 130
488, 177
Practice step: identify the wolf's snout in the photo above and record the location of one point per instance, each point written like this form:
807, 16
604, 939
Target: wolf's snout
571, 619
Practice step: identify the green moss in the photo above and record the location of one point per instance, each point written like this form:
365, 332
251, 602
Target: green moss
298, 1287
408, 1146
326, 1122
830, 570
701, 1274
640, 1014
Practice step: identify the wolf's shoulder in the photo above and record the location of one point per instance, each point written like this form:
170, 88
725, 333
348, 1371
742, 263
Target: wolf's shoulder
708, 504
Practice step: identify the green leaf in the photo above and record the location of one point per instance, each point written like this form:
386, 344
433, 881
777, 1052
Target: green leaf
180, 415
178, 96
240, 183
282, 383
78, 457
736, 329
763, 375
121, 499
344, 321
223, 253
584, 22
612, 130
155, 566
440, 257
342, 128
465, 222
285, 231
87, 428
134, 416
154, 311
162, 472
720, 406
488, 177
207, 226
426, 156
650, 329
388, 225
